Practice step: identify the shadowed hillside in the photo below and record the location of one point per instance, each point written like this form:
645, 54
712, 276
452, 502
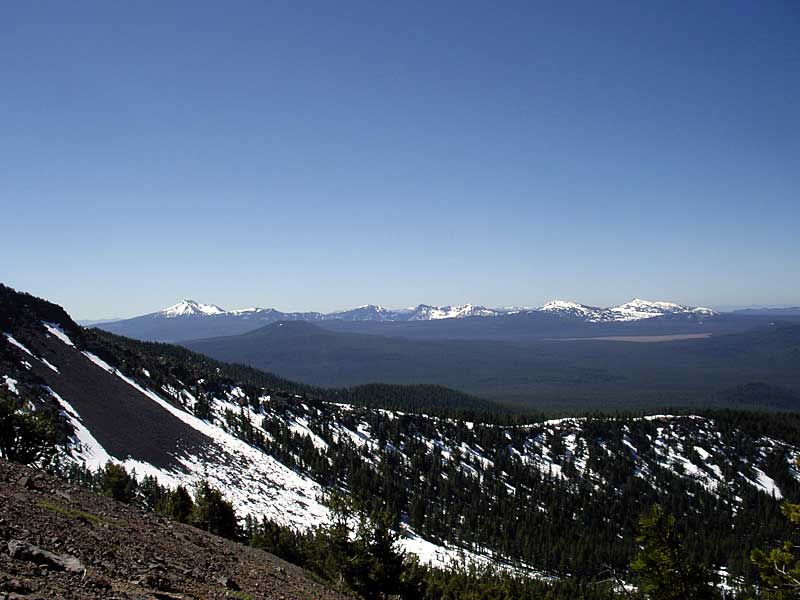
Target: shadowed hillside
580, 374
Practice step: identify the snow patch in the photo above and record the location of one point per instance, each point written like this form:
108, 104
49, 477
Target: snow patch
11, 384
19, 345
58, 332
49, 365
765, 483
88, 449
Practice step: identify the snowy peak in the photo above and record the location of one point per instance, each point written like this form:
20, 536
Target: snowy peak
187, 308
556, 305
572, 309
635, 310
426, 312
638, 309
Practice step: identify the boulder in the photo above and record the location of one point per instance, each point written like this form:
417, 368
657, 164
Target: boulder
21, 550
229, 583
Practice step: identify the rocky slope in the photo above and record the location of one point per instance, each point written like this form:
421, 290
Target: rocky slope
61, 541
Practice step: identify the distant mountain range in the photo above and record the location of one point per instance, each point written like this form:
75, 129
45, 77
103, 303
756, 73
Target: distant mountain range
635, 310
188, 319
367, 312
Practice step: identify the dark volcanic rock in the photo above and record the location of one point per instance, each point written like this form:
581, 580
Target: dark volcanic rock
21, 550
90, 547
229, 583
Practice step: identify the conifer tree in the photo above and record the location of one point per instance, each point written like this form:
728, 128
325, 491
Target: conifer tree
213, 513
202, 407
179, 505
662, 566
25, 437
779, 568
117, 483
152, 496
382, 563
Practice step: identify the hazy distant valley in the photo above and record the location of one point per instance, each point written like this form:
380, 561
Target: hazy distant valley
555, 357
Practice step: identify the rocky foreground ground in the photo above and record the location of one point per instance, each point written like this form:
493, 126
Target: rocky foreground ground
61, 541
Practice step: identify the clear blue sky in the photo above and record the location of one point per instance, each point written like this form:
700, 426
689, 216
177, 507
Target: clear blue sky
324, 155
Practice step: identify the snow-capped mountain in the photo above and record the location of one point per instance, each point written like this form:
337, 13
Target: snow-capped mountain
565, 308
426, 312
635, 310
638, 309
190, 308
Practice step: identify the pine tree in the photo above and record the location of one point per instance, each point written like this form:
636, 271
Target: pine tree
779, 568
179, 505
662, 566
213, 513
25, 437
152, 496
202, 407
117, 483
381, 563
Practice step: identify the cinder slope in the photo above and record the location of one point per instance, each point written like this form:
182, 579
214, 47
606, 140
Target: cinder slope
125, 553
122, 419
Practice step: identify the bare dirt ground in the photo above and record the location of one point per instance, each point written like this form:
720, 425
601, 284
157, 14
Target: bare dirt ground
61, 541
